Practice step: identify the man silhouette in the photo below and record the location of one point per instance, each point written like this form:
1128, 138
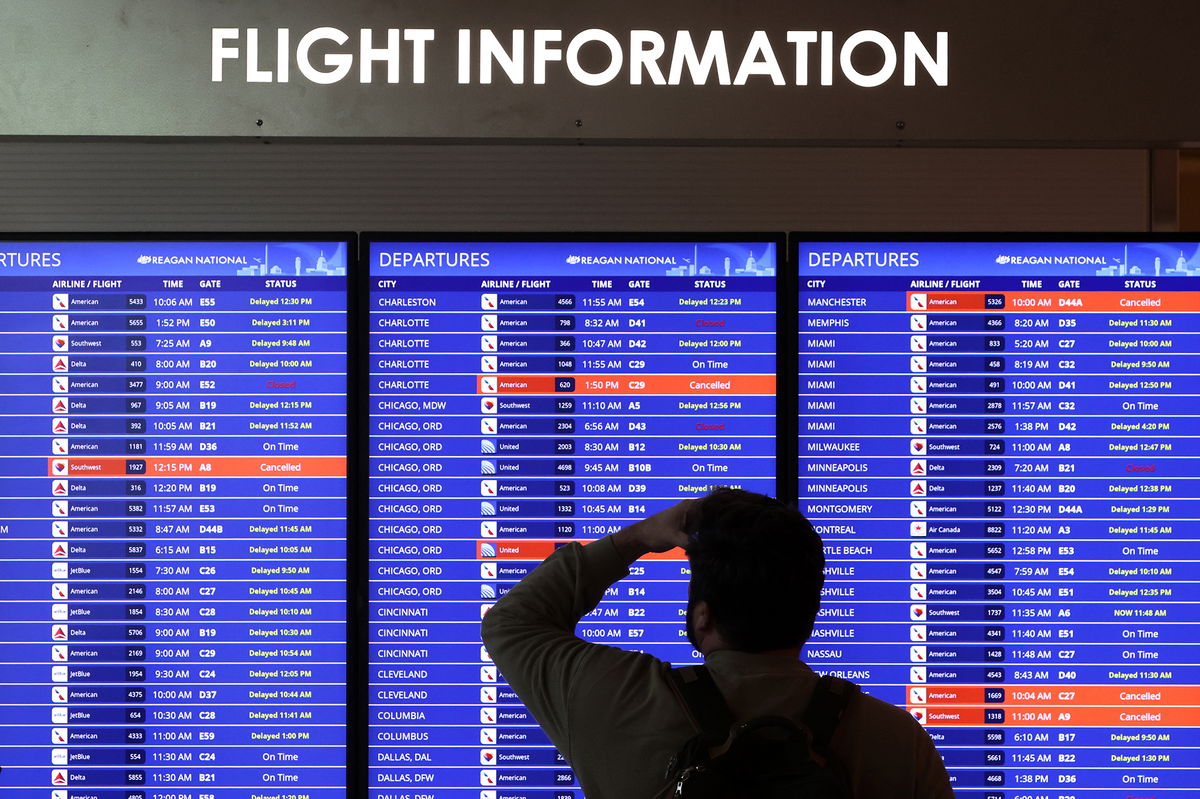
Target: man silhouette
757, 568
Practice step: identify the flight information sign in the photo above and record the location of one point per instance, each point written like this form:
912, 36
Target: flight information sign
998, 443
524, 394
172, 552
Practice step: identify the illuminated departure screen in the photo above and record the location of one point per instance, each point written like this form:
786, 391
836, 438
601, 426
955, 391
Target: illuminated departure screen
172, 548
998, 443
523, 395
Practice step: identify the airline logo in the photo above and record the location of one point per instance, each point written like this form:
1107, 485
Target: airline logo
60, 612
488, 405
59, 446
918, 591
487, 446
58, 735
487, 550
58, 632
58, 570
917, 695
60, 302
59, 507
484, 608
485, 655
487, 715
917, 508
487, 694
487, 776
60, 343
918, 405
489, 385
487, 736
918, 612
58, 695
917, 654
918, 343
916, 549
60, 425
488, 674
917, 571
918, 714
918, 363
489, 302
487, 571
59, 653
59, 674
917, 426
917, 385
918, 322
917, 529
918, 302
488, 529
58, 529
487, 591
59, 776
58, 757
487, 467
59, 384
917, 673
489, 323
488, 363
488, 426
60, 466
917, 632
487, 795
58, 590
918, 488
489, 343
59, 363
60, 322
487, 509
917, 467
59, 405
918, 446
59, 488
488, 488
487, 757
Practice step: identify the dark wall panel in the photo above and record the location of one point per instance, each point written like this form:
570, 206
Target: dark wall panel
151, 186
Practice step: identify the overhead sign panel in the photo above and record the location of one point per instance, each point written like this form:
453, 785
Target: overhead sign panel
869, 72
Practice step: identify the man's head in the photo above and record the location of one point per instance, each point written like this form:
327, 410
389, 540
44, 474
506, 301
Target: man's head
758, 567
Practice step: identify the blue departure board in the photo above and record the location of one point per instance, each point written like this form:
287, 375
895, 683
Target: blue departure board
998, 442
172, 547
524, 394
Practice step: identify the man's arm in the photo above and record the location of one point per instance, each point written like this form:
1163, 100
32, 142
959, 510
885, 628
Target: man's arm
530, 632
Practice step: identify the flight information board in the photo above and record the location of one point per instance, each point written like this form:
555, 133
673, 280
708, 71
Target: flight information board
172, 552
998, 442
526, 394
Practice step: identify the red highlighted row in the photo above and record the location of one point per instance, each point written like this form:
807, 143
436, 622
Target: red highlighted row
1058, 716
1055, 301
1038, 695
247, 466
688, 385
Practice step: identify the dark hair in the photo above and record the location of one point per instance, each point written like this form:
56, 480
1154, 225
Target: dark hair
759, 565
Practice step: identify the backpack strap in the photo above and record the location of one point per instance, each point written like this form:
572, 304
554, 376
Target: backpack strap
824, 711
706, 707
